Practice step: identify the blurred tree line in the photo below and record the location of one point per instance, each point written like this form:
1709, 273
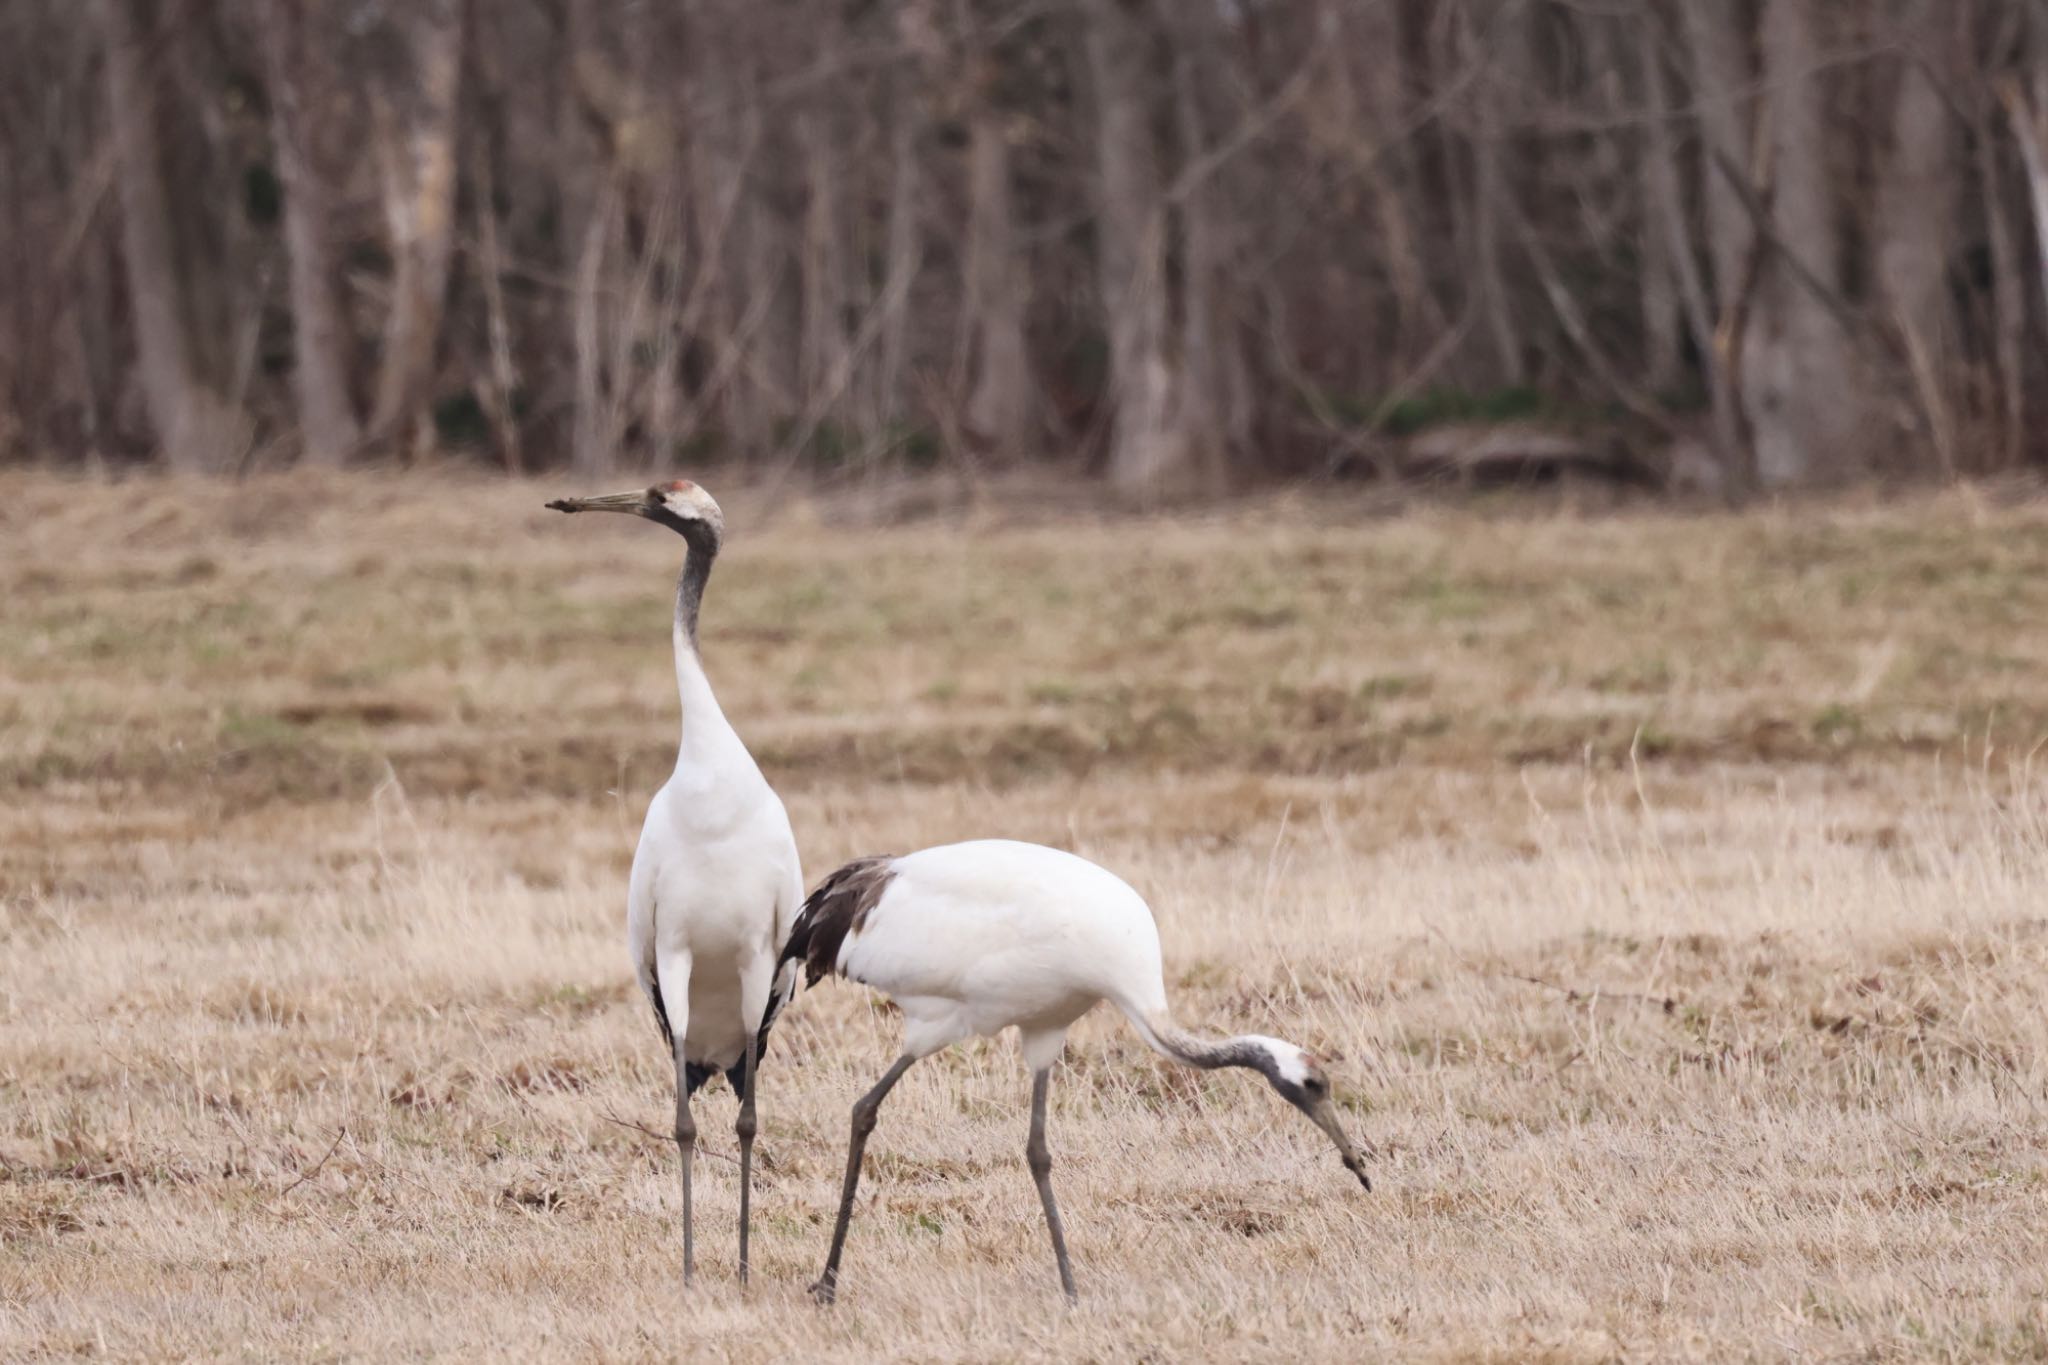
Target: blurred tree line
1186, 240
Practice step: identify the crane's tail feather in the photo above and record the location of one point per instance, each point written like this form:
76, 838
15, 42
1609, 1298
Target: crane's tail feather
779, 995
652, 982
837, 908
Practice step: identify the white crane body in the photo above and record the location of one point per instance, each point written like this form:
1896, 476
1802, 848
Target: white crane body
970, 939
1004, 934
706, 914
716, 880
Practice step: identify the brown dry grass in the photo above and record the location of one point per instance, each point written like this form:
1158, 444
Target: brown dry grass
314, 1024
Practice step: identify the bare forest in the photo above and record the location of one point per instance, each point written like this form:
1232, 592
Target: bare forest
1738, 245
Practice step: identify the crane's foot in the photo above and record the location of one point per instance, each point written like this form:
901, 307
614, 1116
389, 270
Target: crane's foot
824, 1292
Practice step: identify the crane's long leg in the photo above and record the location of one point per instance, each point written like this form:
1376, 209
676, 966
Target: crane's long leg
864, 1110
686, 1146
1039, 1157
745, 1128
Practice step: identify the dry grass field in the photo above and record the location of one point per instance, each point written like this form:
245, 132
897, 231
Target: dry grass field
1674, 889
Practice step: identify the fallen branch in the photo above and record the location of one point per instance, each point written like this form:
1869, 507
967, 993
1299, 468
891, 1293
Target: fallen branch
610, 1117
385, 1167
306, 1175
1573, 995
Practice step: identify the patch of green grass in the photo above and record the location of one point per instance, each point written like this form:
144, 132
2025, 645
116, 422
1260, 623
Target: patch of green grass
1645, 674
1389, 686
1261, 616
1837, 723
240, 729
1051, 692
1443, 597
1440, 406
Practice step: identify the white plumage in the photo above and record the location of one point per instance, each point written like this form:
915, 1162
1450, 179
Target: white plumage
969, 939
716, 881
715, 889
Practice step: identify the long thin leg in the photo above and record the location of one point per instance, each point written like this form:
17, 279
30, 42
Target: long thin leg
1039, 1157
686, 1145
746, 1128
864, 1110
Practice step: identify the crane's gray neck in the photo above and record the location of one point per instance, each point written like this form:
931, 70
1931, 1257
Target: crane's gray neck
1212, 1056
1237, 1052
702, 548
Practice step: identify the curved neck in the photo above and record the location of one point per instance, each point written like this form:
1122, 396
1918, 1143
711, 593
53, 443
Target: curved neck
701, 551
1170, 1039
708, 742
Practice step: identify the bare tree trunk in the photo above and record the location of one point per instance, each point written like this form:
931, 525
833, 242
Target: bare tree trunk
1151, 455
418, 153
719, 218
198, 431
1917, 222
1658, 293
2008, 302
591, 451
1723, 76
584, 127
1217, 399
916, 28
1669, 221
26, 370
1800, 382
665, 404
1650, 162
2028, 114
99, 371
737, 223
1374, 126
1718, 40
1000, 406
768, 390
320, 335
1500, 54
824, 264
502, 382
651, 157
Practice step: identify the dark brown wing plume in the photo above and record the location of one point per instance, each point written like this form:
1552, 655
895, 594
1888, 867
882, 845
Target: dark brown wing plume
837, 908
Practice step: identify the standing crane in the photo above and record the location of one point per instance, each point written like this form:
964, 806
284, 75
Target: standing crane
969, 939
716, 882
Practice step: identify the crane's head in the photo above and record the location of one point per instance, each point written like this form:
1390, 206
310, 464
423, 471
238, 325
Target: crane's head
1301, 1080
680, 505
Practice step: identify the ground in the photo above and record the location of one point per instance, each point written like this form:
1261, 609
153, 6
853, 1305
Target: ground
1669, 890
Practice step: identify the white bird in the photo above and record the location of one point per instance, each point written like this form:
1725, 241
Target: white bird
970, 939
716, 882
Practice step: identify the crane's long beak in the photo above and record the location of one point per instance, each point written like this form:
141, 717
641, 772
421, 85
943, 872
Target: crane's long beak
1325, 1116
634, 503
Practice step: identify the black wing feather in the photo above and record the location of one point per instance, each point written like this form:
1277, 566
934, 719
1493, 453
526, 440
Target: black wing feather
837, 908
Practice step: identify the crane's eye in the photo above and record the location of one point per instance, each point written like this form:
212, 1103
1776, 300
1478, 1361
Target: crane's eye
1315, 1085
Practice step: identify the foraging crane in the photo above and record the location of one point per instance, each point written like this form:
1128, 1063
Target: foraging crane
971, 938
716, 883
